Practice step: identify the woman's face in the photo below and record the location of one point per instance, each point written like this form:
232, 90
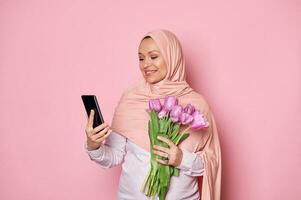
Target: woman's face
151, 62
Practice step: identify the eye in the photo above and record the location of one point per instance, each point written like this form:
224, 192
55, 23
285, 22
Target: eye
140, 59
154, 57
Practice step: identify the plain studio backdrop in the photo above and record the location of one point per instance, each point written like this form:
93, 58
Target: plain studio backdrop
242, 56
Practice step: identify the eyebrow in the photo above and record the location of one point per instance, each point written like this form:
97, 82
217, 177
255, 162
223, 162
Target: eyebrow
149, 51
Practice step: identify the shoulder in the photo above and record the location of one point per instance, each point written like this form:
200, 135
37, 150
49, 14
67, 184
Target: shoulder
199, 101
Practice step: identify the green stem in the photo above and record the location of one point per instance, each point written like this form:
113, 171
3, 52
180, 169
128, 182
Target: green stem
188, 127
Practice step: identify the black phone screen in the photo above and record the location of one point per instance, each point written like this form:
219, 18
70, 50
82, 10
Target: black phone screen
90, 102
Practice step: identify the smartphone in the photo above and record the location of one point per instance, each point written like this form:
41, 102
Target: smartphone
90, 102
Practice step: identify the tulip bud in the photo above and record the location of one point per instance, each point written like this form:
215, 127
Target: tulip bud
176, 112
154, 104
162, 113
170, 102
199, 120
189, 109
186, 118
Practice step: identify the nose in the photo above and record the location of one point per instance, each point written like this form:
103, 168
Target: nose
148, 62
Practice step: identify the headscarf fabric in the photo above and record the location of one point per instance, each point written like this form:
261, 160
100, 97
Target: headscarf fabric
130, 118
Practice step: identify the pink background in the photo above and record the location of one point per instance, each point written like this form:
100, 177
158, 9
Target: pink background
243, 56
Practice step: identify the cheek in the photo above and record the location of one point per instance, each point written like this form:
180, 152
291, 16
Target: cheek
162, 67
141, 67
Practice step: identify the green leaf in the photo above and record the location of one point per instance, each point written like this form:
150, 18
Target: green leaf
176, 129
175, 138
176, 172
164, 180
154, 126
150, 130
181, 138
162, 193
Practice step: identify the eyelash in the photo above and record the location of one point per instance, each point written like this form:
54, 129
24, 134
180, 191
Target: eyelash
151, 57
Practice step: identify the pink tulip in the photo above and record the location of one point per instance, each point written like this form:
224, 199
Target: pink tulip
189, 109
175, 113
199, 121
185, 118
154, 104
162, 113
170, 102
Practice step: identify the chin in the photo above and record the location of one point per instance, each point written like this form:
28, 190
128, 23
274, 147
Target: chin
152, 81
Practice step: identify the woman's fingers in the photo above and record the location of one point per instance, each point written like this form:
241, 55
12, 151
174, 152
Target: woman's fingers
89, 126
101, 139
92, 131
101, 133
100, 127
166, 140
164, 149
160, 153
90, 119
164, 162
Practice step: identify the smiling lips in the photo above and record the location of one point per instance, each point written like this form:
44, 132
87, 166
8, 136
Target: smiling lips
149, 72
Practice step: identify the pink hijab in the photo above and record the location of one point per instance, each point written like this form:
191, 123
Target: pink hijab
131, 119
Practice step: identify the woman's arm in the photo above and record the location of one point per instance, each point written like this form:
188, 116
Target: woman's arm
191, 164
111, 153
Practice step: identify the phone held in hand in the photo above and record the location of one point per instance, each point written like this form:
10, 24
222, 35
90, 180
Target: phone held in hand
90, 102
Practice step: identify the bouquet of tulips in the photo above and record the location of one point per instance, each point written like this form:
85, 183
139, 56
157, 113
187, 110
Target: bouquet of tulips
166, 120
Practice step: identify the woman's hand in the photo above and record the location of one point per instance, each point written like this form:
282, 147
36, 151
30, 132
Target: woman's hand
173, 153
94, 137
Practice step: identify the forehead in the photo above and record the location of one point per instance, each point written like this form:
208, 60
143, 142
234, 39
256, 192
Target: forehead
147, 46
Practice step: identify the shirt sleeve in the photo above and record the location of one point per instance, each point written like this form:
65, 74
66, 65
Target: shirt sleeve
111, 153
191, 164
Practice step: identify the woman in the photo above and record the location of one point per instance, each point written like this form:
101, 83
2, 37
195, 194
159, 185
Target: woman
126, 142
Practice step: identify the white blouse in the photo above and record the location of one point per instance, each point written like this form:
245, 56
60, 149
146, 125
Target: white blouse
135, 161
